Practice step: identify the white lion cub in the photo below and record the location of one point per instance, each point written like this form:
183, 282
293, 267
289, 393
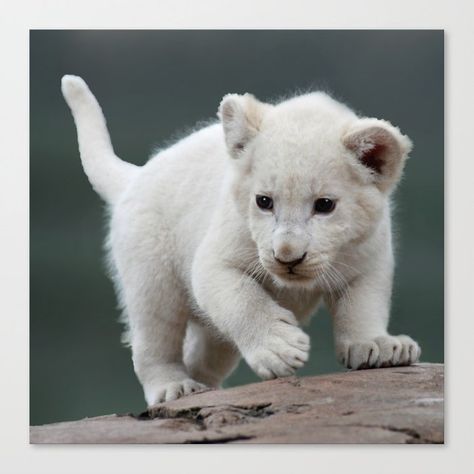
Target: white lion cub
223, 243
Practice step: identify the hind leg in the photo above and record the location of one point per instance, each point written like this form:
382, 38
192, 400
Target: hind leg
208, 358
157, 309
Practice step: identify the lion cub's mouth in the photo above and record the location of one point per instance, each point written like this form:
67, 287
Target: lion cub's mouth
294, 274
304, 274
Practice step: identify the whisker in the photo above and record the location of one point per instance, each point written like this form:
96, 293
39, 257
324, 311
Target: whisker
346, 265
343, 286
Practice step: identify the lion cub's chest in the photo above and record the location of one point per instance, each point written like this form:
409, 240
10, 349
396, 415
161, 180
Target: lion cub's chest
301, 303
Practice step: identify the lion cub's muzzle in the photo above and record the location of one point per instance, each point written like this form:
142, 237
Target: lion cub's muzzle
291, 264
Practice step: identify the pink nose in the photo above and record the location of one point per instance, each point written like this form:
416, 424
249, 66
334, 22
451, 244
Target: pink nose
291, 263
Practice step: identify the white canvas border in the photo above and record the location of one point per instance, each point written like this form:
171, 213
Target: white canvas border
17, 456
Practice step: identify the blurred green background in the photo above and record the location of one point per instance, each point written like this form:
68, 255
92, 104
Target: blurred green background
153, 85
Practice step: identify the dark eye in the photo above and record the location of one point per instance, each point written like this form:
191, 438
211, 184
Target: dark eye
264, 202
324, 206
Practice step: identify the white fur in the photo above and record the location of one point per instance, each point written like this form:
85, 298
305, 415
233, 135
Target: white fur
194, 256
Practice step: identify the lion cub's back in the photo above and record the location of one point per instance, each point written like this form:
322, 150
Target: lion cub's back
180, 186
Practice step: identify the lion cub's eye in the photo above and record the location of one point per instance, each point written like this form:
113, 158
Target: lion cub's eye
324, 206
264, 202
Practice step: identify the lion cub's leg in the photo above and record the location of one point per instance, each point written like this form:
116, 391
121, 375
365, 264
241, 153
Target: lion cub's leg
361, 323
208, 357
157, 310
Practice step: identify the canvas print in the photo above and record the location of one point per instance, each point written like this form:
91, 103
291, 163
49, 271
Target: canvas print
249, 249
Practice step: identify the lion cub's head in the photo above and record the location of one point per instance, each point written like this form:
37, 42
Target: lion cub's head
312, 178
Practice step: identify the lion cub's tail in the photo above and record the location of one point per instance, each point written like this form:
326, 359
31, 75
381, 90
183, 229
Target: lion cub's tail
107, 173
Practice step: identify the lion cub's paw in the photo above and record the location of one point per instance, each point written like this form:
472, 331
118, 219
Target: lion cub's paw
383, 351
173, 390
282, 351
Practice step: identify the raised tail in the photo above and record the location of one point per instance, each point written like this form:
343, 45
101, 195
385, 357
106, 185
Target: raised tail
107, 173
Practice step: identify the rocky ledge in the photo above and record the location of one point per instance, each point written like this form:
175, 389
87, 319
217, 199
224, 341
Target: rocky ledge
390, 405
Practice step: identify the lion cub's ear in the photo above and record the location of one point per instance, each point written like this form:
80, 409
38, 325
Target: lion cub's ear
380, 148
241, 117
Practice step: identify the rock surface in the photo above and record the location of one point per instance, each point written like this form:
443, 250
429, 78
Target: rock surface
391, 405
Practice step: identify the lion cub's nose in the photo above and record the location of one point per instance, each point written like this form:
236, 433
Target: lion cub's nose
290, 263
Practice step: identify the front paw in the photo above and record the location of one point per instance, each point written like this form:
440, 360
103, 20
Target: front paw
280, 352
382, 351
168, 391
